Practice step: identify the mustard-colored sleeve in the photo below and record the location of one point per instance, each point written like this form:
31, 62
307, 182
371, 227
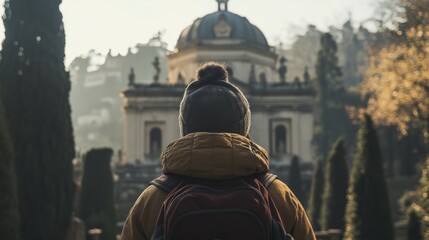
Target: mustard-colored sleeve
292, 213
142, 217
133, 229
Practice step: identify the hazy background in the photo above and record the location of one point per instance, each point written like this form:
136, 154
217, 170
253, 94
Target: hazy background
119, 24
342, 58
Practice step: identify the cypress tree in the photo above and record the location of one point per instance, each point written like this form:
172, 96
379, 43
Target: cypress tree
335, 189
327, 83
9, 213
295, 181
315, 200
423, 200
367, 211
414, 231
97, 205
34, 88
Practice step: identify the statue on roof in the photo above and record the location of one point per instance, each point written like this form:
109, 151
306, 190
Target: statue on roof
306, 75
155, 64
131, 78
282, 70
157, 40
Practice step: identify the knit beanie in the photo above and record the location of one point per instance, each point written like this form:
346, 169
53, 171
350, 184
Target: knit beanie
213, 104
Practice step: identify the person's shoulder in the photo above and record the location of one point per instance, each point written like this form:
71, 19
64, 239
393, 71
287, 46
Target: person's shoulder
152, 192
280, 192
142, 216
278, 186
150, 195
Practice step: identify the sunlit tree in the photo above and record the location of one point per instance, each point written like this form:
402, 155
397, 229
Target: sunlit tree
397, 84
397, 81
402, 15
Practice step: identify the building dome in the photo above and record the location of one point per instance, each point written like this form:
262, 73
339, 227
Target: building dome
222, 28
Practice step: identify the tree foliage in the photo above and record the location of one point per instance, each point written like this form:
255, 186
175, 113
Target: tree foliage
331, 120
367, 210
414, 13
316, 192
397, 80
34, 88
400, 15
352, 53
9, 212
335, 188
97, 205
397, 84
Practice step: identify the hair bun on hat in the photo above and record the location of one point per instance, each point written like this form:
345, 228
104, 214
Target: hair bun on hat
213, 104
212, 72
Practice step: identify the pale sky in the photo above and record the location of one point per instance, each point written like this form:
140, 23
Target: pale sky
119, 24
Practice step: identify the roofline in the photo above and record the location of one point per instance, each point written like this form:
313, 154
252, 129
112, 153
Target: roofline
246, 46
158, 90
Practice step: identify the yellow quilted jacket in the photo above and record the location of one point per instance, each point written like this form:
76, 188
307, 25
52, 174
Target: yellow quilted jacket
215, 156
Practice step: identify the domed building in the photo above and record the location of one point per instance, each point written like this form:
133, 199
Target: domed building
282, 111
224, 37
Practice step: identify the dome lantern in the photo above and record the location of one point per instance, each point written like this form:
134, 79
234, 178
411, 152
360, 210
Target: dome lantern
224, 3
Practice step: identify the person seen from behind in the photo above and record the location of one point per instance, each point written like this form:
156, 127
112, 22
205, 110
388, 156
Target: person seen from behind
214, 146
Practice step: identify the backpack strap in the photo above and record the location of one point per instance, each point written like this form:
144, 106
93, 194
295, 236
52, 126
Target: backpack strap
168, 182
267, 179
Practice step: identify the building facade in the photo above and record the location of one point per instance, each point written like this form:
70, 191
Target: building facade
282, 109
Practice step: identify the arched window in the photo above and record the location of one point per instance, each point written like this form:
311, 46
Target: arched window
155, 141
280, 139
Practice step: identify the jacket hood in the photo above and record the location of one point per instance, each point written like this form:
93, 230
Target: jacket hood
214, 156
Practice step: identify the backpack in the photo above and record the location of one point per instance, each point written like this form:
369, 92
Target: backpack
201, 209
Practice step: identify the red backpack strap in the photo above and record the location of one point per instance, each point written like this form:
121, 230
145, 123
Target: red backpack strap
166, 182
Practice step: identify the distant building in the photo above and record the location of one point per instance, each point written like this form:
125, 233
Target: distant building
97, 80
220, 36
282, 111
